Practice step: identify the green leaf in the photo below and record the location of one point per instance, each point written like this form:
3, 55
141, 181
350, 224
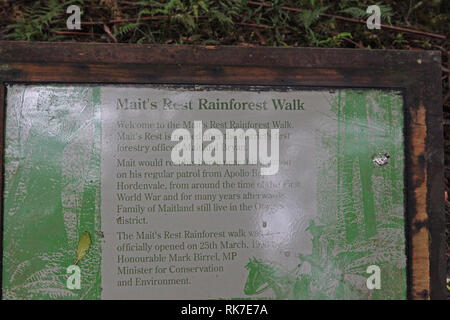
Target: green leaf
308, 17
203, 5
83, 246
355, 12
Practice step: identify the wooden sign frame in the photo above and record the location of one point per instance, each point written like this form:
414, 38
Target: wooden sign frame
415, 73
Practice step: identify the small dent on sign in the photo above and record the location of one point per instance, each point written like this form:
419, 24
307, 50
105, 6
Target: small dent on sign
381, 160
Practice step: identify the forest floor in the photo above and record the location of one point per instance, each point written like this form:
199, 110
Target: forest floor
406, 24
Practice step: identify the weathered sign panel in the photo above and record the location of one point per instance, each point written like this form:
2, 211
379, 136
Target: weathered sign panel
283, 191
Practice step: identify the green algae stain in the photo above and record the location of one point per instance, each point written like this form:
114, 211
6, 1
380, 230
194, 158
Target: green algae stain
360, 207
52, 190
368, 223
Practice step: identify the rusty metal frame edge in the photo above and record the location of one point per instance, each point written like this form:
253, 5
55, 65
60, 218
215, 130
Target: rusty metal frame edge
415, 73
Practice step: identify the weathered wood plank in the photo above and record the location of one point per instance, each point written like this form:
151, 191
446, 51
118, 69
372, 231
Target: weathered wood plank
210, 55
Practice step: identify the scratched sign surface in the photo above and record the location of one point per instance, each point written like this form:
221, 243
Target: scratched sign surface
89, 181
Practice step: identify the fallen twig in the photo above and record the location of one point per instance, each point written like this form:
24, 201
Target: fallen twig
73, 33
263, 26
261, 37
109, 33
123, 20
350, 41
